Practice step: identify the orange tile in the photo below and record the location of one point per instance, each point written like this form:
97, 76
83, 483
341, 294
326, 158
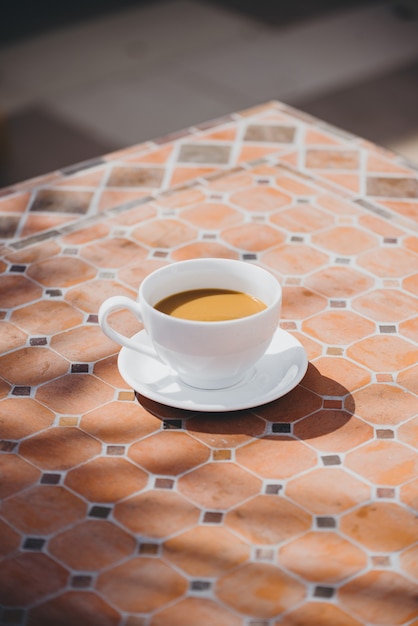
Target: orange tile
46, 317
168, 453
225, 430
333, 376
333, 430
323, 557
192, 611
212, 215
43, 509
290, 158
132, 217
385, 462
376, 163
374, 597
25, 578
9, 539
141, 585
314, 136
107, 370
206, 551
409, 379
251, 520
409, 329
252, 153
383, 353
110, 198
106, 479
338, 327
134, 275
260, 199
295, 185
409, 561
160, 156
350, 182
202, 249
379, 226
403, 207
61, 272
327, 490
33, 224
409, 494
80, 606
181, 198
86, 234
299, 303
74, 393
301, 219
19, 474
83, 344
20, 417
15, 203
411, 284
32, 366
276, 457
384, 404
386, 305
182, 174
59, 448
222, 134
252, 237
88, 297
115, 252
167, 233
146, 513
4, 388
389, 262
44, 250
92, 545
18, 290
289, 408
294, 259
268, 590
11, 337
345, 240
332, 159
207, 487
119, 423
323, 613
337, 205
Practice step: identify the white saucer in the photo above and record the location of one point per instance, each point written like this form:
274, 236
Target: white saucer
281, 368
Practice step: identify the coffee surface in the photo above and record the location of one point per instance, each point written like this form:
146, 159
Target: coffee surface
210, 305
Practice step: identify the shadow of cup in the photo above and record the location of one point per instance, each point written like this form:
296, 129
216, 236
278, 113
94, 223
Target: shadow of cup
316, 407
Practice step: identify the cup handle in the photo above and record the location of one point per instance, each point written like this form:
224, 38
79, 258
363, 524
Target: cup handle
122, 302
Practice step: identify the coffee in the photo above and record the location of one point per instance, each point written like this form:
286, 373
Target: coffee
210, 305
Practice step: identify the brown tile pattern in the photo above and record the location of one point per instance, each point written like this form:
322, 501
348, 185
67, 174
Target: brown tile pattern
356, 168
118, 511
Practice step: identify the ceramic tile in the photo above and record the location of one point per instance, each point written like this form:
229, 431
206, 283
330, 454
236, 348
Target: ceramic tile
370, 603
107, 489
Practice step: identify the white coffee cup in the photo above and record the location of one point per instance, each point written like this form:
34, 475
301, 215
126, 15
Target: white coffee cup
208, 355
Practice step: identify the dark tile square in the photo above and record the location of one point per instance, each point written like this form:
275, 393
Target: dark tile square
323, 592
212, 517
33, 543
282, 428
102, 512
331, 459
50, 479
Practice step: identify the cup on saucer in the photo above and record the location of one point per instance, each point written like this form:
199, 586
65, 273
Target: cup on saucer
209, 320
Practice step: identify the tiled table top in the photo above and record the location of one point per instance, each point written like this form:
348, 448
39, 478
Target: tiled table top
117, 511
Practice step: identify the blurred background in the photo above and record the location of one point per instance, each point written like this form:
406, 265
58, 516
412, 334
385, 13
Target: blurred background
79, 79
